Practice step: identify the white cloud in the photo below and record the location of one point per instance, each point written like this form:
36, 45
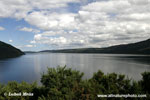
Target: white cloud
97, 24
26, 29
51, 21
26, 46
139, 2
20, 8
51, 40
14, 8
32, 42
30, 46
38, 37
111, 6
10, 40
2, 28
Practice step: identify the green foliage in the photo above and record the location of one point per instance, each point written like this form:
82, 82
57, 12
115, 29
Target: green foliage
63, 83
14, 87
145, 82
111, 83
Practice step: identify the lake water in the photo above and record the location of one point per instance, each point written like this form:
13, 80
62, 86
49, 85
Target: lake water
29, 67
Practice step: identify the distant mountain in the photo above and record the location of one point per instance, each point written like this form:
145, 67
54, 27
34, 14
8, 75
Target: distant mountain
30, 52
8, 51
142, 47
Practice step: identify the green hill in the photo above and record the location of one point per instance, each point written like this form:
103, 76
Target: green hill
8, 51
142, 47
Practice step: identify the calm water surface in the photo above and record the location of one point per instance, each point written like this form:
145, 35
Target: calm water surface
29, 67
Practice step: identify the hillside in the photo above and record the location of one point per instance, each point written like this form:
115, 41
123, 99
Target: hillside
142, 47
8, 51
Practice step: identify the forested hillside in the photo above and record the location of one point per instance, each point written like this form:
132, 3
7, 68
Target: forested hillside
8, 51
142, 47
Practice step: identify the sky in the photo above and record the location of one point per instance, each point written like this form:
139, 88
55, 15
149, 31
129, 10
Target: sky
34, 25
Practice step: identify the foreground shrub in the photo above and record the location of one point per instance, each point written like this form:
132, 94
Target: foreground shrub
145, 82
14, 87
63, 83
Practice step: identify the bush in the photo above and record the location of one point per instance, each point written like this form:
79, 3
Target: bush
63, 83
14, 87
145, 82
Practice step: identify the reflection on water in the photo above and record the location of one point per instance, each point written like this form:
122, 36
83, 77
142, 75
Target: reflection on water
142, 59
30, 66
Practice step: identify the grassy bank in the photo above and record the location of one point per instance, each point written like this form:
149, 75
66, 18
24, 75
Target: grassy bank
66, 84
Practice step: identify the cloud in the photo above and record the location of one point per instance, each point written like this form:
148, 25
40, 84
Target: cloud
96, 24
14, 8
50, 40
26, 29
20, 8
51, 21
32, 42
49, 4
10, 40
139, 2
30, 46
26, 46
2, 28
